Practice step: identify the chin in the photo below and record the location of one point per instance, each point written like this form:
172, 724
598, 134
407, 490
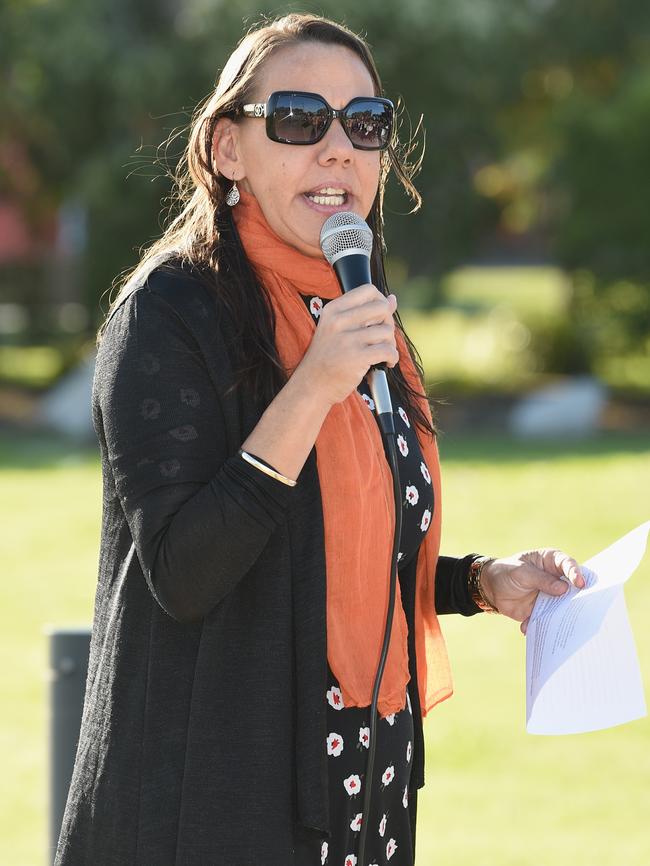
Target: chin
312, 250
308, 245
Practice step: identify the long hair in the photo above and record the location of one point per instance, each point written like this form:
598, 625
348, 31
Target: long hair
203, 233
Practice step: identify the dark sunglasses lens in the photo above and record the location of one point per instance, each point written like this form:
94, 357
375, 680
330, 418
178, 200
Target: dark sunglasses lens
299, 119
369, 123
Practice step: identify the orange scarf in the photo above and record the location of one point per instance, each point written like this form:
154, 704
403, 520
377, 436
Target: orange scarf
357, 498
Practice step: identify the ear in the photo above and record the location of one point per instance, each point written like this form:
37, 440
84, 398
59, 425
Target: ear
226, 149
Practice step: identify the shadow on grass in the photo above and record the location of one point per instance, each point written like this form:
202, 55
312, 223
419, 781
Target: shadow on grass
502, 449
31, 451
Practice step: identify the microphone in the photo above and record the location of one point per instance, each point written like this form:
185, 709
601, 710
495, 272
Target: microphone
346, 241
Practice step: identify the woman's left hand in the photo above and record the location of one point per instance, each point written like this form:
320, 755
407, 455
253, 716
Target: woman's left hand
512, 584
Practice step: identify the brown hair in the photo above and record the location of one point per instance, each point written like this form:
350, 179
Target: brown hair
203, 232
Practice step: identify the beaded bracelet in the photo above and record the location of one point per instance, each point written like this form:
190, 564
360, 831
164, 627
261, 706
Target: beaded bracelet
475, 588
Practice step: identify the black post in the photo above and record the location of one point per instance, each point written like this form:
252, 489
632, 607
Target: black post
69, 649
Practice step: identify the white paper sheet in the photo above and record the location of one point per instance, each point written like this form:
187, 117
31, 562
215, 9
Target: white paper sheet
582, 670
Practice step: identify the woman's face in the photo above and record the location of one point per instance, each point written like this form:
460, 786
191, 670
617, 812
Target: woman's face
284, 178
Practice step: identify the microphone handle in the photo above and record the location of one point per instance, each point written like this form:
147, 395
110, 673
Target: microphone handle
381, 395
352, 270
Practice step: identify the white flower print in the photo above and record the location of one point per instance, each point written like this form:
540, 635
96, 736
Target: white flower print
364, 737
408, 701
403, 416
388, 775
334, 744
399, 555
351, 860
390, 719
323, 853
426, 520
408, 750
370, 403
315, 307
391, 847
382, 826
335, 698
352, 784
401, 444
405, 797
355, 823
412, 494
425, 472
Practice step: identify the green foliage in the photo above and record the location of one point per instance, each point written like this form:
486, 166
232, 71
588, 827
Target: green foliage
536, 115
603, 171
614, 316
97, 87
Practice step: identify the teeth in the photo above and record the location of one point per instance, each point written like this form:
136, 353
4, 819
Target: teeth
328, 196
333, 200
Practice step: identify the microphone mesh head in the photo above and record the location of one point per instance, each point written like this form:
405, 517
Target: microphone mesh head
344, 233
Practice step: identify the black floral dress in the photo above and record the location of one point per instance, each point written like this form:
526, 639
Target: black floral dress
389, 837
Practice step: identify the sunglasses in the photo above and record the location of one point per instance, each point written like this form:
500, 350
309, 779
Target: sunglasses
293, 117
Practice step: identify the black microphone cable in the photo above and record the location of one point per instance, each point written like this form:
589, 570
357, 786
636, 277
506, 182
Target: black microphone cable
387, 428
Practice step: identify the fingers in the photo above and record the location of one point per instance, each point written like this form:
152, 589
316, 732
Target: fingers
367, 315
571, 570
549, 570
379, 353
359, 295
549, 583
363, 306
377, 311
564, 566
379, 333
355, 332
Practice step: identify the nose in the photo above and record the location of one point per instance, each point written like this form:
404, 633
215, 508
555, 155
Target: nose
335, 145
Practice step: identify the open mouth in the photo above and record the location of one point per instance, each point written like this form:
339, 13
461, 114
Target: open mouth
328, 196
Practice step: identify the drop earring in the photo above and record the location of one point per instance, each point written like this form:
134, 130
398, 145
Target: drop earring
233, 194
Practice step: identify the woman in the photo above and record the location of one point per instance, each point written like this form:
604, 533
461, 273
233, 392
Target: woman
247, 502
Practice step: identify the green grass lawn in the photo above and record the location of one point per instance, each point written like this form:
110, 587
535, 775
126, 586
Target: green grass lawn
495, 796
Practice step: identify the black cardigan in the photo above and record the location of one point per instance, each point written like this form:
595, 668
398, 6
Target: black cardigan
203, 732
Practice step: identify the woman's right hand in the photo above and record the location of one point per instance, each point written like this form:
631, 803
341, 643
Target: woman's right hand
354, 332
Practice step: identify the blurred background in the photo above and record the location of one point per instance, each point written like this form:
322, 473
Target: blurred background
524, 281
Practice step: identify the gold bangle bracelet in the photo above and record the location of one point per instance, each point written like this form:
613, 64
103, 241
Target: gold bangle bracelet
476, 589
266, 469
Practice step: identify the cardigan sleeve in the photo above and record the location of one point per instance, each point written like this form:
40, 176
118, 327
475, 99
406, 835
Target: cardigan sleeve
198, 515
452, 587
